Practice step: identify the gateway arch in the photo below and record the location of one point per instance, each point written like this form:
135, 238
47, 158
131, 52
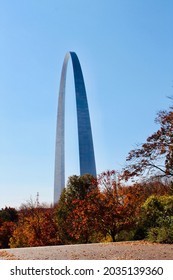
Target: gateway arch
86, 149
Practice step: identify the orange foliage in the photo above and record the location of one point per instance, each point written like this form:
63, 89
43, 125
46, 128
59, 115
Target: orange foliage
107, 209
38, 227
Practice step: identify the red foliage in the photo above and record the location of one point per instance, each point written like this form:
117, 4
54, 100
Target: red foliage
156, 155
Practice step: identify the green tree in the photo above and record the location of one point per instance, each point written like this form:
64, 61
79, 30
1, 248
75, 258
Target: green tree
157, 218
79, 186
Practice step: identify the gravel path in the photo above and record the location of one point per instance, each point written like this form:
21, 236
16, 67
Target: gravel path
136, 250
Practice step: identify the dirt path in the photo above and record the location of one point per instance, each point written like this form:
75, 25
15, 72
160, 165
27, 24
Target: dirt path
136, 250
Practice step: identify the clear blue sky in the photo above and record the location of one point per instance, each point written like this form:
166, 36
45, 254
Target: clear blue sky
126, 52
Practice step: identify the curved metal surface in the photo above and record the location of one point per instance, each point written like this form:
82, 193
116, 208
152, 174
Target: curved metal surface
86, 149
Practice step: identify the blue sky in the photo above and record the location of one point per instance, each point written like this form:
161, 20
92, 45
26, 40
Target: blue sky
126, 52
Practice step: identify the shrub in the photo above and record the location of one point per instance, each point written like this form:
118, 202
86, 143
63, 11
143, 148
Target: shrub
157, 219
161, 235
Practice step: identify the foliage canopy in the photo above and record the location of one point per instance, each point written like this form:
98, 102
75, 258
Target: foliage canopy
155, 156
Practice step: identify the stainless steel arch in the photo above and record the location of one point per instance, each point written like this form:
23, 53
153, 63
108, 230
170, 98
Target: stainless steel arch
86, 149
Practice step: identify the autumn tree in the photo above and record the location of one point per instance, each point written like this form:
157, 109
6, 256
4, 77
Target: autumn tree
119, 206
137, 193
36, 227
114, 213
90, 210
155, 156
87, 214
77, 210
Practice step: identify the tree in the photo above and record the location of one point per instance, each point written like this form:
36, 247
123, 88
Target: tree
119, 206
77, 210
37, 226
156, 155
8, 219
79, 186
115, 213
9, 214
157, 218
6, 231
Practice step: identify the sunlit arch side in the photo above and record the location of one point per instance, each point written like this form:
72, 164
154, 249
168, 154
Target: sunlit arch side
86, 149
